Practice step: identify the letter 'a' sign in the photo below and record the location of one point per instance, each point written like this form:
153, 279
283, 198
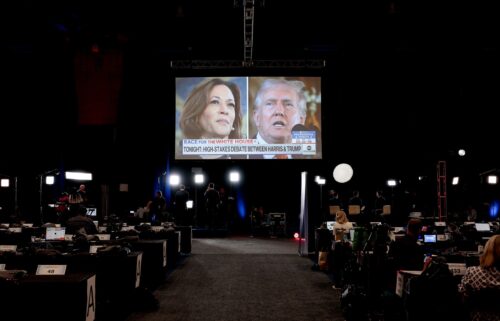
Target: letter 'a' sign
90, 306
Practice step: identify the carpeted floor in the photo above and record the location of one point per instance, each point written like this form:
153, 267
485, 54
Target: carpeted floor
245, 279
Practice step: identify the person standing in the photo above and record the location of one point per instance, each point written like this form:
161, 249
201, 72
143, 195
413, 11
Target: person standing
212, 200
180, 204
158, 207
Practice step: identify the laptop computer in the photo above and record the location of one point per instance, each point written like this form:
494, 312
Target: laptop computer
55, 233
483, 227
430, 238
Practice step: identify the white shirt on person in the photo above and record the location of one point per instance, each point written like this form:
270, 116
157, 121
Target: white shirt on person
261, 140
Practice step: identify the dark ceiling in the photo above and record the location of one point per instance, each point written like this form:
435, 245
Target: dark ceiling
405, 82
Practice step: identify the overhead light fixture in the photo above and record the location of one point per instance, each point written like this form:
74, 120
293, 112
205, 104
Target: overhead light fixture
78, 176
492, 179
461, 152
455, 180
391, 182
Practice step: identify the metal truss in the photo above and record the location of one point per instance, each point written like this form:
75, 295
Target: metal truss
262, 64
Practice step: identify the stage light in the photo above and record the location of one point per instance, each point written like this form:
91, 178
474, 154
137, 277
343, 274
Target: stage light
342, 173
5, 182
189, 204
234, 177
461, 152
391, 182
492, 179
174, 180
78, 176
199, 178
49, 180
296, 235
455, 180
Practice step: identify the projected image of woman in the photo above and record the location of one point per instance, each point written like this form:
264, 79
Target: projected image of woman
212, 110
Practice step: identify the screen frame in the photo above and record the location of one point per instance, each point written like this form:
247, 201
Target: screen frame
250, 83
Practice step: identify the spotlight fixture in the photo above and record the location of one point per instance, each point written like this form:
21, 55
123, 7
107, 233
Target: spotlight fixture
234, 177
5, 182
455, 180
49, 180
199, 178
78, 176
492, 179
174, 180
391, 182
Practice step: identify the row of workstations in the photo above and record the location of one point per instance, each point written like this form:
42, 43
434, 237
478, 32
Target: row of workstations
85, 279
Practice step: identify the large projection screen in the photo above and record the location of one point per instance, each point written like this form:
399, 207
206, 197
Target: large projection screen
248, 118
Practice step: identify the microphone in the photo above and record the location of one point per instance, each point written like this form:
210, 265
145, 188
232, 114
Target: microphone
299, 128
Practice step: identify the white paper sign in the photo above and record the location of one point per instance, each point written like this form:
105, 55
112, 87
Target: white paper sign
93, 248
15, 229
51, 269
91, 302
164, 253
8, 248
178, 241
138, 270
457, 268
157, 228
104, 237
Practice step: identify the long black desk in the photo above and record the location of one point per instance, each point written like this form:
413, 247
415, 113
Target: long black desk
49, 297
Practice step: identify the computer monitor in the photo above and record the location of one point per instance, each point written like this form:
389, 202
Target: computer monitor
430, 238
483, 227
55, 233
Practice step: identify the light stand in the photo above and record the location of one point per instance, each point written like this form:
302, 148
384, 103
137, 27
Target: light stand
15, 192
199, 179
40, 190
321, 181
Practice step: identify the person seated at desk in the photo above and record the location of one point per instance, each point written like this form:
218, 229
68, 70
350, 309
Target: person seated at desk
482, 283
341, 249
79, 222
405, 252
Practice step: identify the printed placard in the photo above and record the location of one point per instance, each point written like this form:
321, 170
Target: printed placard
91, 302
93, 248
164, 253
138, 268
157, 228
8, 248
104, 237
15, 229
457, 268
43, 269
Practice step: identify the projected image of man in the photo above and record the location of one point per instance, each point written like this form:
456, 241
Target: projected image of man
279, 106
